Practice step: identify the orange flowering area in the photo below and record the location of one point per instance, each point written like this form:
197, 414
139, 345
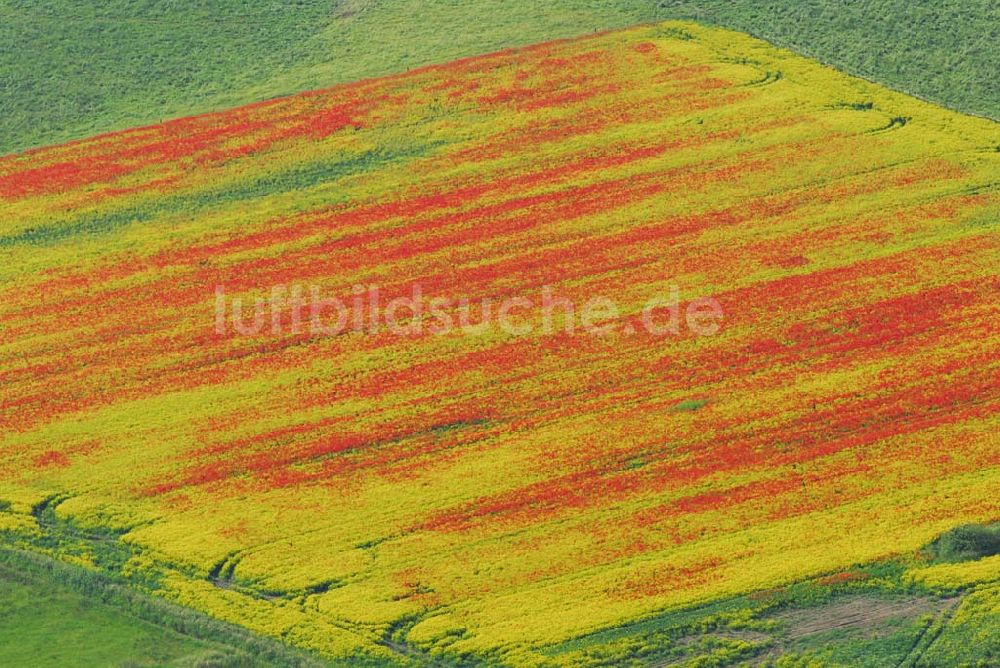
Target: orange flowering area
463, 488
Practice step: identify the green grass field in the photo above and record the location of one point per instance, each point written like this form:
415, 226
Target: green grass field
64, 616
45, 624
75, 69
71, 69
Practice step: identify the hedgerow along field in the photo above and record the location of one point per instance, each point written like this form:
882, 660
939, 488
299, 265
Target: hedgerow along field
147, 62
500, 498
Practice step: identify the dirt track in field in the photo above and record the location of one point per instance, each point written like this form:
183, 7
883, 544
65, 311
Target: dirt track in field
857, 613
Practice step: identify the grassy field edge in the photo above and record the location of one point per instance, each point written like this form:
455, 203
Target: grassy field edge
244, 648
